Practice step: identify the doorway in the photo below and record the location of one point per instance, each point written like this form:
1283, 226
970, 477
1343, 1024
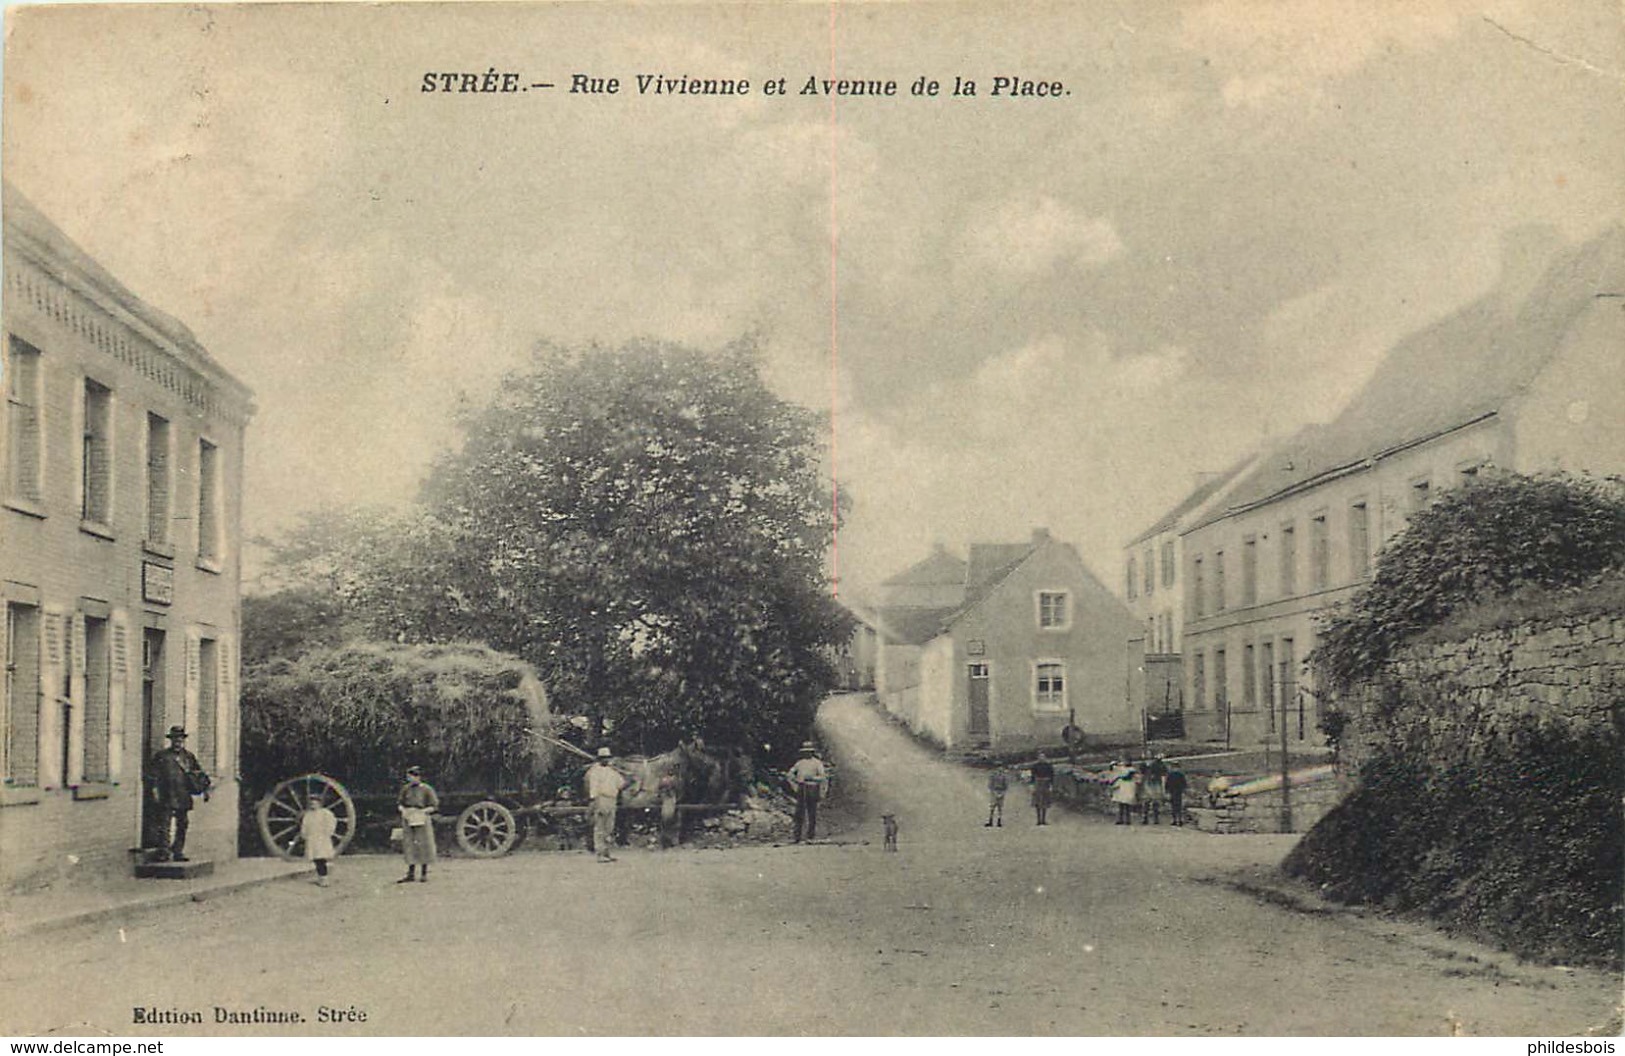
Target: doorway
978, 681
152, 730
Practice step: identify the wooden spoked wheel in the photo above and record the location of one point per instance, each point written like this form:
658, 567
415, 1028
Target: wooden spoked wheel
278, 814
487, 829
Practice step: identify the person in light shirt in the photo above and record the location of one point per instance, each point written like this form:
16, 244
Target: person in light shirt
808, 780
604, 784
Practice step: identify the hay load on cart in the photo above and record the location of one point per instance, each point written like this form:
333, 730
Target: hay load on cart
345, 722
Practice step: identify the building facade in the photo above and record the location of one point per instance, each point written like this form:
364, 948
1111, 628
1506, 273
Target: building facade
122, 447
1153, 585
1028, 643
1515, 381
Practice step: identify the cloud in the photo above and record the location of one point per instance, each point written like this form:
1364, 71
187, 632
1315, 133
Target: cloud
1032, 236
1280, 48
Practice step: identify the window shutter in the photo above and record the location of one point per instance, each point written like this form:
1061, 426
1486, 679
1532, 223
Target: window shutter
76, 694
194, 663
53, 677
118, 679
225, 702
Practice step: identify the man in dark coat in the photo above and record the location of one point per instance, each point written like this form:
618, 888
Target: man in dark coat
174, 776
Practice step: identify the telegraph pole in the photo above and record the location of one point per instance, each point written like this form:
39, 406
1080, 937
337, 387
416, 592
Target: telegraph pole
1286, 770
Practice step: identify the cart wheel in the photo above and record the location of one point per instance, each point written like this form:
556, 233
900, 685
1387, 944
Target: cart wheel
278, 814
487, 830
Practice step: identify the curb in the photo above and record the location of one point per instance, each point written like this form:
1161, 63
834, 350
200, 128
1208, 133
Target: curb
142, 905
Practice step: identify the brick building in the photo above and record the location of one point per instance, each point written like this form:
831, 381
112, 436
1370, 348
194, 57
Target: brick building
121, 443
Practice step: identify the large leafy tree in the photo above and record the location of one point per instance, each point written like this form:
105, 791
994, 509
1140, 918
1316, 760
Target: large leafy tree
648, 524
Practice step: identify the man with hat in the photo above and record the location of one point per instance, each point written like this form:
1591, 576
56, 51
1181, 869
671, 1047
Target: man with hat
604, 784
174, 776
807, 779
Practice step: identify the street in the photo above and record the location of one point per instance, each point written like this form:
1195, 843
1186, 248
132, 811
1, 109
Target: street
1080, 927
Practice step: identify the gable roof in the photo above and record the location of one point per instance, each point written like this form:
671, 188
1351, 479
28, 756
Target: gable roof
939, 569
1203, 491
1457, 372
911, 624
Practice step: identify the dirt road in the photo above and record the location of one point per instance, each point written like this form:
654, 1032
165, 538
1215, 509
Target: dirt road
1080, 927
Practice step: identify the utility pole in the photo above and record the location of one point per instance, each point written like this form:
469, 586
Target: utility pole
1286, 770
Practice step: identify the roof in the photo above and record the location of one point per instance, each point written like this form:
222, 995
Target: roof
940, 569
911, 624
1210, 483
30, 231
1462, 370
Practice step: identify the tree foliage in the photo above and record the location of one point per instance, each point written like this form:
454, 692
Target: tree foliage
646, 524
1473, 543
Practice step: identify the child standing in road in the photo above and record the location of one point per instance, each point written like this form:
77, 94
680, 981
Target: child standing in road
998, 783
317, 825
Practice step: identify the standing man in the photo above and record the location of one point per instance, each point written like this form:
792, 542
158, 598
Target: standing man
418, 803
174, 776
1175, 783
998, 782
604, 784
808, 779
1043, 784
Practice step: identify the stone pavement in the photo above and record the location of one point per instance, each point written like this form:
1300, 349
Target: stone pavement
116, 898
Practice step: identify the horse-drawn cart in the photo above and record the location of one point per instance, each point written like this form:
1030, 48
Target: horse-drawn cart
489, 824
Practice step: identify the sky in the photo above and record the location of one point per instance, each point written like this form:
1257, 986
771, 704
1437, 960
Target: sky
1020, 312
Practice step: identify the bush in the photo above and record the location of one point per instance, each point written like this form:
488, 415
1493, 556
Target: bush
1474, 543
1521, 844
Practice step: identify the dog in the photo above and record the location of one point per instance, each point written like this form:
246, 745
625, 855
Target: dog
888, 824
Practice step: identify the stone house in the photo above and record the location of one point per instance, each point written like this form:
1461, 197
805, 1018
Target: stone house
1003, 649
121, 442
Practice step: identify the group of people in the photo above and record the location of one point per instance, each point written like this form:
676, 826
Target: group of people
1143, 788
1136, 789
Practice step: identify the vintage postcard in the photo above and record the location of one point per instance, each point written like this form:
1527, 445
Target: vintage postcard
806, 519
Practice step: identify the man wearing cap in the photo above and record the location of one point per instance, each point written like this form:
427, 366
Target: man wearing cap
604, 784
808, 780
174, 776
418, 802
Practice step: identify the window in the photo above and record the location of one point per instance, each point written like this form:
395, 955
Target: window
23, 403
1168, 632
1198, 683
158, 479
1132, 578
1168, 564
1218, 581
1249, 571
208, 501
98, 682
1266, 668
1198, 587
1359, 540
1320, 553
1150, 581
1249, 680
22, 695
1049, 687
96, 455
1419, 494
1221, 694
1288, 679
1053, 611
208, 698
1289, 560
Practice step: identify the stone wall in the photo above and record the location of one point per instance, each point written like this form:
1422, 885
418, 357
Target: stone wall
1442, 698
